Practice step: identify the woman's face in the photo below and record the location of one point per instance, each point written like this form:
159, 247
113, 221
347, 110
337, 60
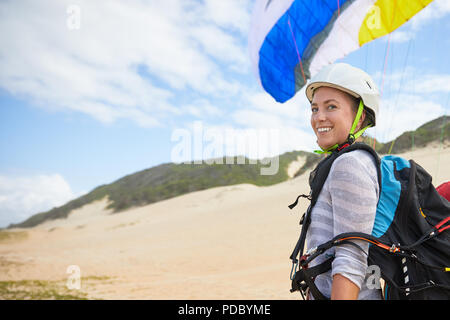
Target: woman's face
332, 116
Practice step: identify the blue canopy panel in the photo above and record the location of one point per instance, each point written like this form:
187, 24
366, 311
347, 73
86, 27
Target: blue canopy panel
295, 37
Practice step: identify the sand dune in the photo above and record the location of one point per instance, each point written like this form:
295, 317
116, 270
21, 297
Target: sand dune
223, 243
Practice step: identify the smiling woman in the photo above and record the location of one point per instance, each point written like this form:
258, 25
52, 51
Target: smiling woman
344, 102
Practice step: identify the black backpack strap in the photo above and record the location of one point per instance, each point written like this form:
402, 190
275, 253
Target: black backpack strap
304, 278
299, 247
316, 181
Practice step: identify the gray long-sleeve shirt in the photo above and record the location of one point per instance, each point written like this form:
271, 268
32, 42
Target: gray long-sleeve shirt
347, 203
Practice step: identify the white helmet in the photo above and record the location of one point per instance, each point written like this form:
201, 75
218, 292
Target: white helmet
349, 79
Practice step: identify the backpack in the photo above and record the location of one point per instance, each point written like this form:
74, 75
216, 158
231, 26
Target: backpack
408, 242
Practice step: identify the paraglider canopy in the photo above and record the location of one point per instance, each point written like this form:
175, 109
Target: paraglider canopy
291, 40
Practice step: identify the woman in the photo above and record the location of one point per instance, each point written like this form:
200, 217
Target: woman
344, 102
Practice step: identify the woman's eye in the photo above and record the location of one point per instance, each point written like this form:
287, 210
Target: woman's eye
314, 110
332, 106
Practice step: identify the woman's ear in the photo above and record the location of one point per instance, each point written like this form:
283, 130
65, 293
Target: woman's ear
361, 120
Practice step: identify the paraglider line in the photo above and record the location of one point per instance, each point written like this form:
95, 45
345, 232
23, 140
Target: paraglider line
398, 92
387, 49
296, 48
382, 77
385, 64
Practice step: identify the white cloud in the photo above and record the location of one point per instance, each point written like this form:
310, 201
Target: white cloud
413, 81
22, 197
295, 112
222, 46
404, 113
401, 36
135, 59
95, 69
290, 119
232, 14
435, 10
201, 108
431, 83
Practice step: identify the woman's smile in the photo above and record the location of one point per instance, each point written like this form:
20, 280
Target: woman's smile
323, 130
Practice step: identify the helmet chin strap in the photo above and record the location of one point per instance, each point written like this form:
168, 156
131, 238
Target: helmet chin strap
351, 136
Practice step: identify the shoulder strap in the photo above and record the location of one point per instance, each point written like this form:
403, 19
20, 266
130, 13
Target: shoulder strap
317, 179
320, 173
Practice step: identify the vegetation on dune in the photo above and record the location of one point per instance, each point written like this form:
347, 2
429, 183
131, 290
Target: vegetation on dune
170, 180
38, 290
47, 289
8, 236
437, 130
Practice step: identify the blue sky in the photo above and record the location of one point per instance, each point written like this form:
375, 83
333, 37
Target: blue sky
81, 107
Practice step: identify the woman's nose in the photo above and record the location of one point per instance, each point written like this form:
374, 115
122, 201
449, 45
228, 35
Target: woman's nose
319, 115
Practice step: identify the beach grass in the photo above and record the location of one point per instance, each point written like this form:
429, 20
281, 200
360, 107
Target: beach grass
8, 236
47, 289
38, 290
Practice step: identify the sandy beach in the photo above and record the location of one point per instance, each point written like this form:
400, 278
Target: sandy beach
228, 242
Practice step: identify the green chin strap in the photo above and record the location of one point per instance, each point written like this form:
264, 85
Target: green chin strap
351, 136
